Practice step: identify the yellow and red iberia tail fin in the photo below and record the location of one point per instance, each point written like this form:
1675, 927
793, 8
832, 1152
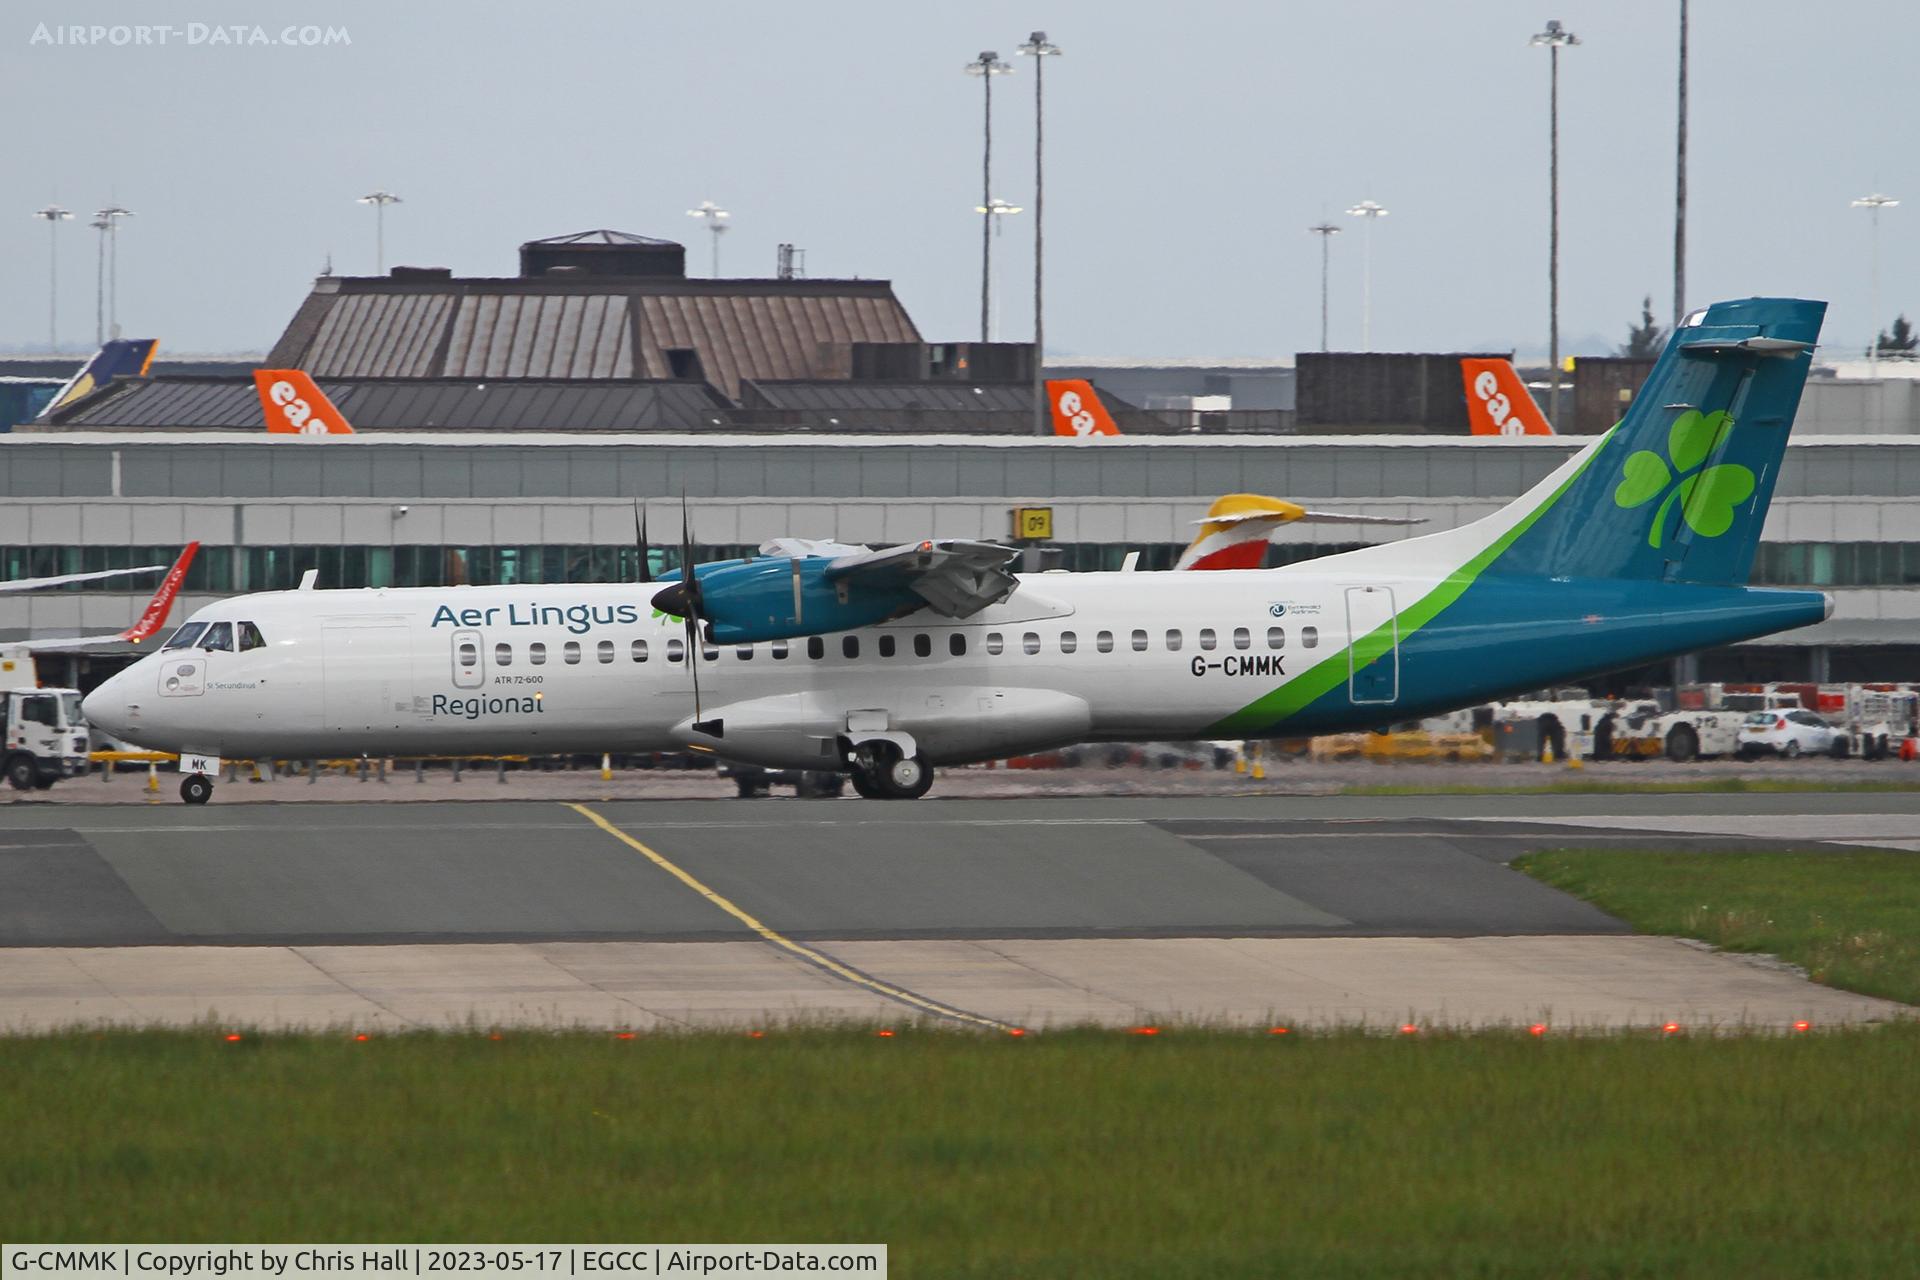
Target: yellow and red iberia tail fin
1077, 410
1498, 403
1234, 532
293, 405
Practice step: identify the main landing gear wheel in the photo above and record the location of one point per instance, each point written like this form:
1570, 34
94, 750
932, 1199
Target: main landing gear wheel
196, 789
893, 778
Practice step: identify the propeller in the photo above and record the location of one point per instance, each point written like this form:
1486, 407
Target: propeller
682, 599
640, 540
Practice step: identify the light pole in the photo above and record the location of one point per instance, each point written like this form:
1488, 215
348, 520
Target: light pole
1371, 211
716, 219
1326, 231
1554, 38
103, 225
994, 210
986, 66
54, 216
1873, 204
1680, 188
1039, 50
111, 215
379, 200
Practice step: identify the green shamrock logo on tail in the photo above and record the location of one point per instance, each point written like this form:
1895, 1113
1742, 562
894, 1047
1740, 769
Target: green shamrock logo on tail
1707, 498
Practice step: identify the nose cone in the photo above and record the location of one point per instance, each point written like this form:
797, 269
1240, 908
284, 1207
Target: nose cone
106, 707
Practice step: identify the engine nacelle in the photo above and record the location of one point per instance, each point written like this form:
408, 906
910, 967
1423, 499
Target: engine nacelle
780, 599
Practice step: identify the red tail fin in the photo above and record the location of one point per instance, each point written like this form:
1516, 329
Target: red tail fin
161, 605
1077, 410
1498, 403
293, 405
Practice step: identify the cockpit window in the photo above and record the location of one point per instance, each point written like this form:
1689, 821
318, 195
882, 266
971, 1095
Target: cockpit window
185, 636
250, 637
219, 636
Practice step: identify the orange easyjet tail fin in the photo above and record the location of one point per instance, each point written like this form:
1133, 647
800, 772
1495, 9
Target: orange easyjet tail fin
1498, 403
1077, 410
293, 405
162, 603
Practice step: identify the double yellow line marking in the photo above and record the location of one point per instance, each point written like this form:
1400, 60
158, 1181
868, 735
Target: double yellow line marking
778, 939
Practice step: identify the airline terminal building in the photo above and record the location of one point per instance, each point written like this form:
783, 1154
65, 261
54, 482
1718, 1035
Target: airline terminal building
438, 508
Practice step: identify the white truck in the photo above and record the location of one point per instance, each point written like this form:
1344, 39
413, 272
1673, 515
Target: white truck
46, 737
1875, 721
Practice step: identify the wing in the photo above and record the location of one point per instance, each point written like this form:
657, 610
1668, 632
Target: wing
151, 619
806, 548
1306, 517
955, 577
61, 580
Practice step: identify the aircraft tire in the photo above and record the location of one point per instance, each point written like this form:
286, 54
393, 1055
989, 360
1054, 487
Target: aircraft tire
861, 786
196, 789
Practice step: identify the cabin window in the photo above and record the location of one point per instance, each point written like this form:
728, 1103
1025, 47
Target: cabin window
1173, 641
957, 645
994, 642
639, 650
1242, 638
1030, 642
709, 654
676, 652
816, 648
1309, 637
1206, 638
503, 655
922, 645
604, 651
1139, 642
250, 637
778, 650
570, 653
219, 636
744, 653
185, 636
886, 646
1104, 642
1276, 637
1068, 642
849, 646
469, 653
537, 654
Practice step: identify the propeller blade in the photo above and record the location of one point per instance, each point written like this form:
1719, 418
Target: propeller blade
640, 540
690, 593
798, 619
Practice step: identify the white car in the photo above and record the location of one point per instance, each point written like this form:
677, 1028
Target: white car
1789, 733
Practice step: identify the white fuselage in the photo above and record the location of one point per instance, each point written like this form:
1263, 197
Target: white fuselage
460, 670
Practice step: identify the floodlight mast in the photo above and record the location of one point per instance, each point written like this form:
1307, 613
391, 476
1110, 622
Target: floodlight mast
379, 200
53, 215
111, 215
995, 210
988, 65
1372, 211
1326, 231
1553, 39
716, 221
1873, 204
1039, 49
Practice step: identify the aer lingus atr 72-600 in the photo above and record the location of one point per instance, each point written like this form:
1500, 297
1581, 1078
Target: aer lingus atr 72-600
887, 663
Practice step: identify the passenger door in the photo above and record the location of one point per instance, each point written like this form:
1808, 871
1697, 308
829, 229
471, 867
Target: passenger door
1373, 660
367, 673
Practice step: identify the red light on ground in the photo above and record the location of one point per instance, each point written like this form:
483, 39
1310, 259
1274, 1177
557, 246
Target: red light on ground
496, 1036
885, 1033
1408, 1029
1538, 1029
1279, 1031
1016, 1031
363, 1036
232, 1036
756, 1035
1143, 1031
623, 1035
1671, 1028
1802, 1025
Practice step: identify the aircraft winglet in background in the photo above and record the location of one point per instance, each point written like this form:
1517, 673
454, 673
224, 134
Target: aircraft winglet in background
1498, 403
293, 405
1077, 410
1234, 532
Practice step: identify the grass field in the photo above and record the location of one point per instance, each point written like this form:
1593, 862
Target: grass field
1850, 919
1600, 787
1190, 1154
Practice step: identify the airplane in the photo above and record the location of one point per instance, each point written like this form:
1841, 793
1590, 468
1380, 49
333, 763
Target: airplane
1498, 403
18, 653
1234, 532
293, 405
117, 358
885, 664
1076, 409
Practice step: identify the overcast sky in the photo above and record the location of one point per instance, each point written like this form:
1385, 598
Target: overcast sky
1189, 148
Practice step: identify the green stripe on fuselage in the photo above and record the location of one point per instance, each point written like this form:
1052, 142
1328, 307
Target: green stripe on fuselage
1265, 712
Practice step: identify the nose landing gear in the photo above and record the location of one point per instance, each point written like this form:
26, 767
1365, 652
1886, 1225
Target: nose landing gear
196, 788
